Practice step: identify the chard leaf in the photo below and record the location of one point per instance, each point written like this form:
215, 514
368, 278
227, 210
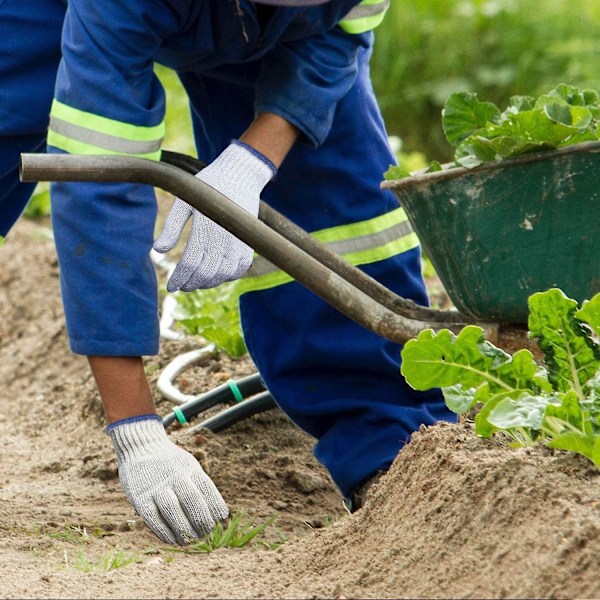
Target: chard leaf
459, 400
590, 313
536, 126
568, 414
525, 411
522, 372
444, 359
396, 172
434, 167
591, 403
578, 442
475, 146
586, 135
520, 103
572, 116
464, 114
570, 354
571, 95
483, 428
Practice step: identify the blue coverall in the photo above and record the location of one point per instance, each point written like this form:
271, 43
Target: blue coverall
336, 380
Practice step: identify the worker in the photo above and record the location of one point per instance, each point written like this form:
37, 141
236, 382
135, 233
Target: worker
282, 108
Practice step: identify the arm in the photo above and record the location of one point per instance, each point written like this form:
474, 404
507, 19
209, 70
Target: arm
272, 136
109, 101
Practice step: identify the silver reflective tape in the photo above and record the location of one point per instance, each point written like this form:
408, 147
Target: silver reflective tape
103, 140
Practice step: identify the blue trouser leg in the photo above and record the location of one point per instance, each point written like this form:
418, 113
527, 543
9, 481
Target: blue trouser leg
336, 380
29, 51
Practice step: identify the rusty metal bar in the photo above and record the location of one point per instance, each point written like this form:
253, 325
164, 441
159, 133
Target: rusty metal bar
370, 286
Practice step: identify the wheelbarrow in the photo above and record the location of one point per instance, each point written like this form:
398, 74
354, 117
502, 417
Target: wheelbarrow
498, 233
443, 224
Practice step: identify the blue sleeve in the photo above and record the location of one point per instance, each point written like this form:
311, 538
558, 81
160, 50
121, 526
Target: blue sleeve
302, 81
107, 67
108, 100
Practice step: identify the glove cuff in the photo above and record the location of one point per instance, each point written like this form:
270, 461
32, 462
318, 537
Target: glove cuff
136, 437
240, 167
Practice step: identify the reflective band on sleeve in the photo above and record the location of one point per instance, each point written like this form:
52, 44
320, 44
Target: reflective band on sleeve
359, 243
364, 17
80, 132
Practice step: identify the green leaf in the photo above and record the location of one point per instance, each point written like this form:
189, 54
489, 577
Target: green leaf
520, 103
574, 441
522, 372
445, 359
573, 116
590, 313
525, 411
537, 126
459, 400
569, 353
464, 114
396, 172
570, 95
483, 428
214, 315
567, 411
434, 167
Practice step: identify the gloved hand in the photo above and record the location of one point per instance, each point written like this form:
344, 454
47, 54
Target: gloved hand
213, 255
165, 484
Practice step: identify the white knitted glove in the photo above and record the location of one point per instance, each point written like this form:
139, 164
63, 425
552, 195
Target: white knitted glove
165, 484
213, 255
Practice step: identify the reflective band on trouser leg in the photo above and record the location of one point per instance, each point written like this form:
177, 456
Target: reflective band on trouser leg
336, 380
364, 17
79, 132
359, 243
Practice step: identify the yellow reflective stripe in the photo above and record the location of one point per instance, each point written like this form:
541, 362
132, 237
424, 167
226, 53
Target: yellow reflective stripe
276, 277
116, 128
81, 132
364, 17
374, 225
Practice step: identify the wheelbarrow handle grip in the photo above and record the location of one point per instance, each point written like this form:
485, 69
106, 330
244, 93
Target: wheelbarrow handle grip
311, 273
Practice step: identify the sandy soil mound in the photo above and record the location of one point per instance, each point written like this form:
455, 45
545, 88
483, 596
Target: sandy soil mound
455, 517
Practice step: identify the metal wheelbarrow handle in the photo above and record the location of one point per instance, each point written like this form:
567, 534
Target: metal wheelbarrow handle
343, 294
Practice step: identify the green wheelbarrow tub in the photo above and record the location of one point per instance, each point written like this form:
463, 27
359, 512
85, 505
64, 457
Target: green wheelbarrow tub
497, 233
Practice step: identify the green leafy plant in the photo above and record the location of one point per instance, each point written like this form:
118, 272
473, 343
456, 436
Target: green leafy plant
39, 204
481, 133
238, 532
109, 561
214, 315
556, 403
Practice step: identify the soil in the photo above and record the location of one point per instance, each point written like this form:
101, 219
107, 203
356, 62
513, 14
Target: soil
455, 516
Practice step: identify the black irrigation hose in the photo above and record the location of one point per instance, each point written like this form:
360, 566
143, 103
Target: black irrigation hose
232, 391
237, 413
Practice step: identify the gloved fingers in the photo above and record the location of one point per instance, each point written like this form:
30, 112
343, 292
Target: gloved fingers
216, 505
171, 232
202, 240
218, 268
175, 516
152, 517
201, 509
